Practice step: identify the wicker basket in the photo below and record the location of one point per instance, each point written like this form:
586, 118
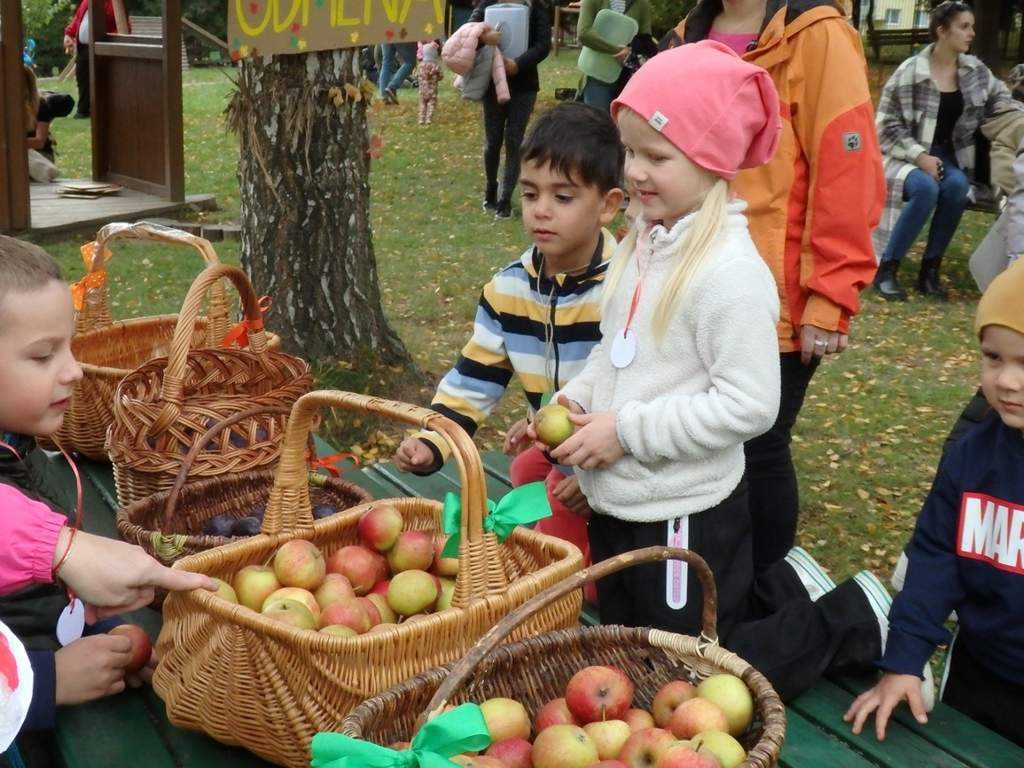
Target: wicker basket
245, 679
108, 350
536, 670
163, 408
169, 525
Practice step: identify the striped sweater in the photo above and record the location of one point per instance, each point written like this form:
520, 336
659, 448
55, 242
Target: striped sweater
519, 309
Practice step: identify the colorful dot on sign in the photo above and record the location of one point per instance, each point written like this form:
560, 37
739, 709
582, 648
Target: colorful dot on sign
354, 37
428, 29
389, 34
254, 8
302, 45
236, 43
404, 33
296, 27
244, 51
319, 3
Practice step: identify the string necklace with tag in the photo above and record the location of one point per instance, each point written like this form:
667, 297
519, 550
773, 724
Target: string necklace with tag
71, 622
549, 340
623, 350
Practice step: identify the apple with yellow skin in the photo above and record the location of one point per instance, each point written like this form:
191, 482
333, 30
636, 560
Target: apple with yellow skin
303, 596
413, 551
411, 592
380, 602
300, 563
683, 755
444, 566
732, 696
563, 746
725, 748
506, 719
553, 425
696, 715
290, 612
225, 591
638, 719
334, 588
608, 736
447, 592
338, 629
254, 584
477, 761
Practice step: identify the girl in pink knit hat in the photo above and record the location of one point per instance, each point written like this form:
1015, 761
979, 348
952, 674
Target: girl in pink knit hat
687, 370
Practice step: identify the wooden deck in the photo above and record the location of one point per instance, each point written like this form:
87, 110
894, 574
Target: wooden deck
132, 728
52, 213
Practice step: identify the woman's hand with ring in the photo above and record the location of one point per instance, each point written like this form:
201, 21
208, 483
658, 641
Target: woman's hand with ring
818, 342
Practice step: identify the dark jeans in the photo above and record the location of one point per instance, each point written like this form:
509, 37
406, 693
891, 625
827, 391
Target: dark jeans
923, 195
505, 123
767, 619
392, 75
82, 79
982, 695
774, 492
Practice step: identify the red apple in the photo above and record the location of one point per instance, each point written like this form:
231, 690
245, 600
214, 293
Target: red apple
563, 746
333, 589
682, 755
361, 566
506, 719
598, 693
349, 613
444, 566
610, 764
644, 748
225, 591
638, 719
411, 592
413, 551
733, 697
513, 753
555, 712
290, 612
141, 648
379, 527
668, 697
254, 584
371, 610
696, 715
303, 596
300, 563
608, 736
381, 587
380, 602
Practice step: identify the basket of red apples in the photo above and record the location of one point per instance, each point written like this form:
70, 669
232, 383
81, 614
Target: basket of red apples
195, 516
315, 616
593, 697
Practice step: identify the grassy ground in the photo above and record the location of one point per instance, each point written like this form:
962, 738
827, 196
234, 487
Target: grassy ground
875, 417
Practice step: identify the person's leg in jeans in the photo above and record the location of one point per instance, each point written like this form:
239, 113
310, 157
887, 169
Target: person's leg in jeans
495, 115
599, 94
388, 66
921, 194
952, 200
519, 109
774, 492
407, 53
82, 80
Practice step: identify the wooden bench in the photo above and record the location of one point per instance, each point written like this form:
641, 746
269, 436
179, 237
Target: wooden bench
910, 37
132, 728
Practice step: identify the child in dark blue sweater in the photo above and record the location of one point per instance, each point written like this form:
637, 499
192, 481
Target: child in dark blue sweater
967, 551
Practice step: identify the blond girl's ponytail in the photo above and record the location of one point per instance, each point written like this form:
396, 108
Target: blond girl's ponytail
706, 226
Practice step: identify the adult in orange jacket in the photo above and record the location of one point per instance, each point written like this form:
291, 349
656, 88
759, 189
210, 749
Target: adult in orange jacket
811, 210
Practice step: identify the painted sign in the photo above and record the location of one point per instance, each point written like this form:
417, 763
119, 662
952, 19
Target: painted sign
265, 27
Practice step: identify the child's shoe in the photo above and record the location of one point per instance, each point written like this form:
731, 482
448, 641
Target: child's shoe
880, 602
504, 210
814, 578
490, 198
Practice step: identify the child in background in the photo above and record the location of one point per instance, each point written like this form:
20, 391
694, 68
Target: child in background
429, 76
37, 375
687, 370
967, 551
539, 316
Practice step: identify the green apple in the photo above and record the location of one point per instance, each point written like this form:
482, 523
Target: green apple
553, 425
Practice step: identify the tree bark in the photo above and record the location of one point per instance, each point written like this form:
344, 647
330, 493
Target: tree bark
986, 40
303, 175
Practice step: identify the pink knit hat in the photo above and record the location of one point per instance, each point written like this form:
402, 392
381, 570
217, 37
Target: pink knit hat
717, 109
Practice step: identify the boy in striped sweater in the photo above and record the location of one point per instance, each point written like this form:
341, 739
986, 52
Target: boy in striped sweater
538, 318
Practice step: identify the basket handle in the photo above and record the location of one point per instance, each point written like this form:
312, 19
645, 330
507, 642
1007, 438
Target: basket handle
462, 669
288, 509
97, 315
186, 464
171, 391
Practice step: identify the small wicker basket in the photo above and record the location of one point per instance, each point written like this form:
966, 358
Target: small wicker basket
109, 349
164, 407
246, 679
536, 670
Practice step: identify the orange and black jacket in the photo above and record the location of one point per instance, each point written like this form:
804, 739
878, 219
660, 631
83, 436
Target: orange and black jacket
813, 206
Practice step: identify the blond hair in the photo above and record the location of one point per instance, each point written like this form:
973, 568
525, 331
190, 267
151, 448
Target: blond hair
707, 224
31, 98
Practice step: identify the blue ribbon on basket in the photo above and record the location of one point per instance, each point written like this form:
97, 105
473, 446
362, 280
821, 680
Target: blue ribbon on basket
521, 506
458, 730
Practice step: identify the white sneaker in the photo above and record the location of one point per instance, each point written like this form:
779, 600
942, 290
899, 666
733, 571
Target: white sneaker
880, 601
814, 578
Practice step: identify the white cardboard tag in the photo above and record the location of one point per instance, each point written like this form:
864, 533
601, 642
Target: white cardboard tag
71, 623
623, 350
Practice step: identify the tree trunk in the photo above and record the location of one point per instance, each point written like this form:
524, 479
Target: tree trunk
986, 41
303, 174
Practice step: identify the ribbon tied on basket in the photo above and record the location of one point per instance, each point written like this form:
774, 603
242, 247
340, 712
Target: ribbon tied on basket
521, 506
90, 282
329, 462
458, 730
239, 332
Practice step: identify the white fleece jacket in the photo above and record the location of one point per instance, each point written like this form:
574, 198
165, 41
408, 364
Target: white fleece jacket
685, 407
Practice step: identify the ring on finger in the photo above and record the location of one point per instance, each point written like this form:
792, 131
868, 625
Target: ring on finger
820, 342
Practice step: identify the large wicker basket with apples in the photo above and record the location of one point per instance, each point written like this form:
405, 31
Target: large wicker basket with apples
640, 696
257, 673
109, 349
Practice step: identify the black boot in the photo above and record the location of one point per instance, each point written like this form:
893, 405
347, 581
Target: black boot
504, 210
490, 198
886, 284
928, 279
